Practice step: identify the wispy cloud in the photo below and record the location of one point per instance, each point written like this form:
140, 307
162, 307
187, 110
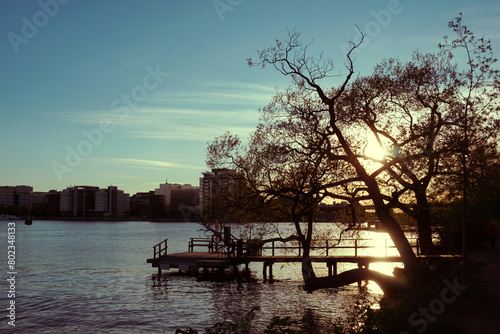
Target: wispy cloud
190, 124
116, 176
220, 93
147, 164
222, 106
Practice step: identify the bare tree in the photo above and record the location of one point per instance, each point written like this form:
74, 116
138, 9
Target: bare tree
444, 112
291, 59
311, 143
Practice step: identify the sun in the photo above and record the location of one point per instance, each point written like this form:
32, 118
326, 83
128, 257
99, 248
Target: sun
374, 150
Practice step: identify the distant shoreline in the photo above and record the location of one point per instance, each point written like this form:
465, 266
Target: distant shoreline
117, 220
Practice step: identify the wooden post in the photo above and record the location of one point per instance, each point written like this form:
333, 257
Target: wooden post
239, 248
227, 235
159, 273
332, 268
359, 266
327, 247
355, 247
267, 264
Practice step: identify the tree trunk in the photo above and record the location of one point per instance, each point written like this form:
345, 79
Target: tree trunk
424, 223
393, 228
387, 283
307, 268
400, 241
383, 213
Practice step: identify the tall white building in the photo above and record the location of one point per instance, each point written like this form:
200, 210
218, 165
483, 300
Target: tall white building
118, 202
164, 190
66, 200
101, 201
175, 194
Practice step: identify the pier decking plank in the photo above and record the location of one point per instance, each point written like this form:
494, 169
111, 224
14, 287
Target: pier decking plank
190, 259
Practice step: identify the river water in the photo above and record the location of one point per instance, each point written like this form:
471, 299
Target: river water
92, 277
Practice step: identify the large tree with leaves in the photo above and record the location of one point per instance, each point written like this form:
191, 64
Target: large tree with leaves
429, 114
311, 143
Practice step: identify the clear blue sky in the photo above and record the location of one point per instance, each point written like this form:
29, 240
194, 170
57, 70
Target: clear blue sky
128, 93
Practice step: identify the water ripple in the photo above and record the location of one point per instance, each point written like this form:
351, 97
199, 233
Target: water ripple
92, 278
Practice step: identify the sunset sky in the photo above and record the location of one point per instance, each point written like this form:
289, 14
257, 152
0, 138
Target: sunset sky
128, 93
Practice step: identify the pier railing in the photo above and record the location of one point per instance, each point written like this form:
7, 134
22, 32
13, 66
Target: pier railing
327, 246
160, 249
214, 245
201, 242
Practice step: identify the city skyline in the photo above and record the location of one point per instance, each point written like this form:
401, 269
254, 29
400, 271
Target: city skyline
129, 93
87, 201
158, 185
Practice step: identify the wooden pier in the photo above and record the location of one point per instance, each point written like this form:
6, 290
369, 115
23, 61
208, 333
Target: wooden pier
331, 252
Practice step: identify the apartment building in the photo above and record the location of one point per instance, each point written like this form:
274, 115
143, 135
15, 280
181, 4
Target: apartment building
213, 185
93, 202
176, 196
147, 205
16, 196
